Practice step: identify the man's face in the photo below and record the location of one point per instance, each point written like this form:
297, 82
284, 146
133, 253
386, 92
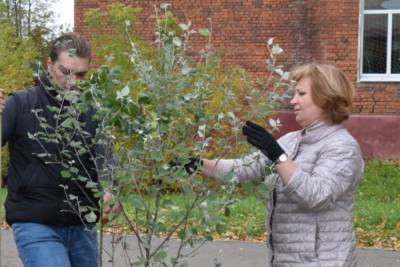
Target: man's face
67, 69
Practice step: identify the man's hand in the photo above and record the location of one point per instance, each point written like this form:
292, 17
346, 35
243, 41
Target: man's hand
263, 140
112, 208
2, 100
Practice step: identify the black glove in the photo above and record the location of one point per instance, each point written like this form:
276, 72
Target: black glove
263, 140
190, 167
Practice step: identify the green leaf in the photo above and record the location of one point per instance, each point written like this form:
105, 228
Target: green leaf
177, 41
201, 131
83, 209
165, 5
31, 136
160, 256
286, 75
91, 217
91, 184
186, 70
44, 125
204, 32
138, 148
64, 187
68, 123
42, 155
182, 234
65, 174
82, 178
72, 197
155, 155
143, 98
123, 93
74, 170
279, 71
139, 263
183, 26
75, 143
276, 49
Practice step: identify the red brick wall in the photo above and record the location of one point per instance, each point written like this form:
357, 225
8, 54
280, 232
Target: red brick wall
324, 31
376, 134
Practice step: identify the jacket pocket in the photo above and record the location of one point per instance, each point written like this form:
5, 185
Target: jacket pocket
294, 238
317, 241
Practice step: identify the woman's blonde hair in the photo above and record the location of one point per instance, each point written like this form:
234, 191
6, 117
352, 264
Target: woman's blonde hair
331, 90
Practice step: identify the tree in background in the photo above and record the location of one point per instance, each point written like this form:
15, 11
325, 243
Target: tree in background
17, 55
26, 27
31, 17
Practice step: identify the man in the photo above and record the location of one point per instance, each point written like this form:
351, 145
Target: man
49, 230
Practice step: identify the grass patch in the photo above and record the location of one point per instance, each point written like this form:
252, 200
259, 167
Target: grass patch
377, 208
376, 212
246, 220
3, 193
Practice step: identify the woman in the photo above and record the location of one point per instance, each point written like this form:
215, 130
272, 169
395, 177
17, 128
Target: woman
317, 171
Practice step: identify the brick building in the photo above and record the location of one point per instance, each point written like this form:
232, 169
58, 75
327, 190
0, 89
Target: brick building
360, 36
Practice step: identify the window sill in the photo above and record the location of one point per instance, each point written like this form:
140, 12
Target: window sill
379, 78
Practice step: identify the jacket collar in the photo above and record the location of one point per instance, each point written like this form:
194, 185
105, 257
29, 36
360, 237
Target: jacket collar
317, 131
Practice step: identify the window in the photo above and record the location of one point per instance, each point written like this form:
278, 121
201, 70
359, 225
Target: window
380, 41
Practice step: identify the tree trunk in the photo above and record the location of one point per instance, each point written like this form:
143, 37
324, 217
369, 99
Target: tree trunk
29, 17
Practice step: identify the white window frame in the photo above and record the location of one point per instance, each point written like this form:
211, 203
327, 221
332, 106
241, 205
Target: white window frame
378, 77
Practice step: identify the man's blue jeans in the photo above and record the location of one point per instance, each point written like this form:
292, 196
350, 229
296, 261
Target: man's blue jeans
42, 245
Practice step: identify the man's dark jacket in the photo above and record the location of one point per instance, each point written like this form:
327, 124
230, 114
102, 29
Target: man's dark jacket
36, 191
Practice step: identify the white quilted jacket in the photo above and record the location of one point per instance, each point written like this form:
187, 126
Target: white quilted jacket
309, 222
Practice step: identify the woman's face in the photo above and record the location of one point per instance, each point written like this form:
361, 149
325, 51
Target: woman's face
305, 110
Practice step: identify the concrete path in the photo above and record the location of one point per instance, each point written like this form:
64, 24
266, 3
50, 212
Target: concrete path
228, 253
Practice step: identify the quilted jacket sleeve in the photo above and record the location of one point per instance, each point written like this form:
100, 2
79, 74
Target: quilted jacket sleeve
254, 166
250, 167
337, 171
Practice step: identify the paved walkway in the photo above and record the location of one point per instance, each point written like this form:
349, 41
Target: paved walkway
228, 253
